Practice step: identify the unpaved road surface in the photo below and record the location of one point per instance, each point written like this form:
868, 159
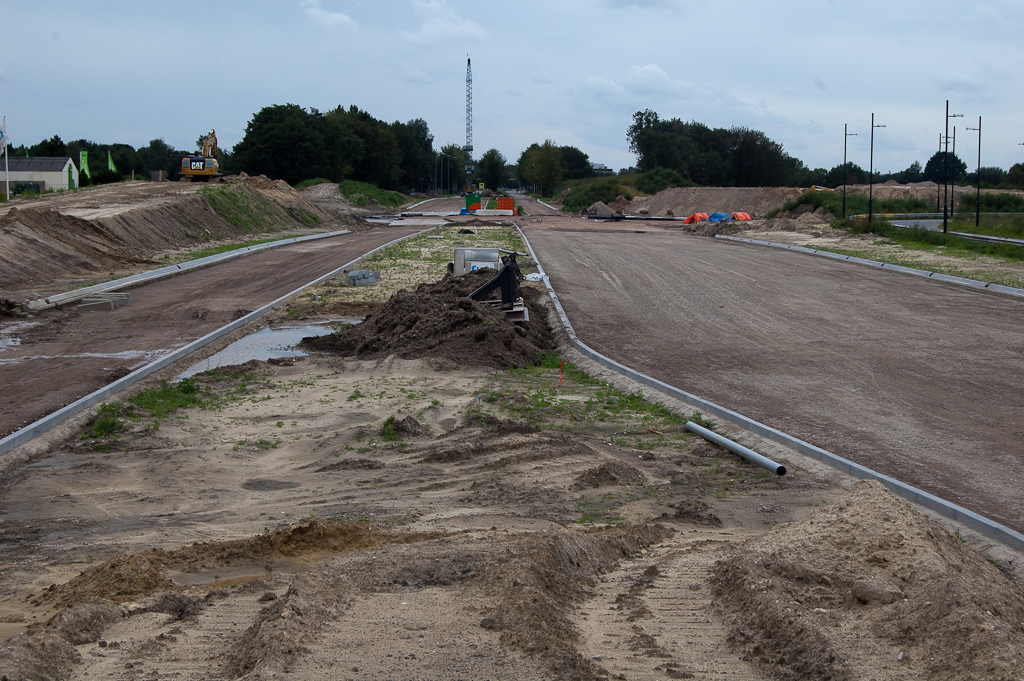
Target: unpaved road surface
64, 355
919, 380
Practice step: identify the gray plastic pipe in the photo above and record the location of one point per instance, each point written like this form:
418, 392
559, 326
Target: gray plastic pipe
736, 448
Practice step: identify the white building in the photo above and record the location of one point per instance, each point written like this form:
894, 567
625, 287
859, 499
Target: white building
39, 174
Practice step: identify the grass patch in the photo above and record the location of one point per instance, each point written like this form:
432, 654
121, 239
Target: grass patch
312, 183
168, 398
363, 193
245, 208
558, 394
950, 243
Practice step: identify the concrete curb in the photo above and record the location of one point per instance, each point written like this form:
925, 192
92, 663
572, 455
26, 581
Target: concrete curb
164, 272
962, 281
44, 424
976, 522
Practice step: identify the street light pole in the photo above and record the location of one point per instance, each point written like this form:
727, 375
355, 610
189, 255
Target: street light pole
945, 173
845, 136
977, 198
871, 172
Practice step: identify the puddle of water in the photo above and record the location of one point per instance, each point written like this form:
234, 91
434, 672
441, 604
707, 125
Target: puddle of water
267, 343
8, 339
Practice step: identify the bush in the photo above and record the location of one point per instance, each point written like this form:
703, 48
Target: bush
660, 179
583, 193
832, 202
993, 203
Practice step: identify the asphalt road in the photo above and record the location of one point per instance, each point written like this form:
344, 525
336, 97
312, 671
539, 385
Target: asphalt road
69, 355
916, 379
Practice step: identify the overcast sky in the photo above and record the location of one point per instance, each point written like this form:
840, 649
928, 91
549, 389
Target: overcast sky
573, 71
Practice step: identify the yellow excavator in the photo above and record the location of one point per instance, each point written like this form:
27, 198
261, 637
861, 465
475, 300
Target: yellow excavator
200, 168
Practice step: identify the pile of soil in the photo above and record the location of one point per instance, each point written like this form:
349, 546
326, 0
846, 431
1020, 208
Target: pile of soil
258, 181
439, 320
682, 201
599, 208
808, 598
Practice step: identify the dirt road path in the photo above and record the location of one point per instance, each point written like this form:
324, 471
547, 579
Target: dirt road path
916, 379
66, 355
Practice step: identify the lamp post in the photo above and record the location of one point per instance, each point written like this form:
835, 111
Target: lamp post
845, 136
945, 173
977, 198
871, 172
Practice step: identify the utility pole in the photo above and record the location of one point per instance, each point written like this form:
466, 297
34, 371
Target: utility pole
977, 197
846, 135
871, 172
945, 173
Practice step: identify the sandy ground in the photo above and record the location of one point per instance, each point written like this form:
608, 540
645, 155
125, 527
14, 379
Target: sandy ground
277, 531
335, 518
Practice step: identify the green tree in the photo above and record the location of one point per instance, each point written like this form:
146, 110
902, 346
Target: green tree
158, 155
526, 166
451, 168
416, 145
944, 166
576, 164
541, 166
491, 169
854, 175
343, 147
283, 141
1015, 176
51, 147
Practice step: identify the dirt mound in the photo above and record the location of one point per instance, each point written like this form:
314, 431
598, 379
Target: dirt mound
599, 208
122, 228
438, 320
128, 576
682, 201
119, 579
36, 657
258, 181
610, 473
867, 585
539, 584
620, 203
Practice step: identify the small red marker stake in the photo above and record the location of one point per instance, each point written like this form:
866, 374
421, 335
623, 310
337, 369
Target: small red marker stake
559, 373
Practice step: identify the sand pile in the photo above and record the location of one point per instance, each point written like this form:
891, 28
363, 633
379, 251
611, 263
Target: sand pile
438, 320
868, 587
599, 208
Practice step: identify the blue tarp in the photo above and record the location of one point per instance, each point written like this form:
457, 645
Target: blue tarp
719, 217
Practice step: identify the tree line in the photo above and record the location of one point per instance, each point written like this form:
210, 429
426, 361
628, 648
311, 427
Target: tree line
743, 157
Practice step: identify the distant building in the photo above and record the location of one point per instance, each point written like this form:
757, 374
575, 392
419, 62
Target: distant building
39, 174
601, 169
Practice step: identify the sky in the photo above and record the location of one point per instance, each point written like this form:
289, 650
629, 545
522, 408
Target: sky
573, 71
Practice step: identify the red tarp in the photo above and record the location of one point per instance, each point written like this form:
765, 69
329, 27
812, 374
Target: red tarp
740, 216
696, 217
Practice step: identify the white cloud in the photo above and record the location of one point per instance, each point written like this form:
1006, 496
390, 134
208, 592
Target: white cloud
318, 15
442, 24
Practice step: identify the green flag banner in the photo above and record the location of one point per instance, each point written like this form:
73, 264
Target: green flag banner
83, 163
110, 163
